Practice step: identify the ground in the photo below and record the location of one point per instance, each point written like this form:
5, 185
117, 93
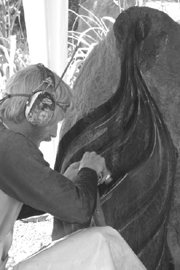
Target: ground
29, 236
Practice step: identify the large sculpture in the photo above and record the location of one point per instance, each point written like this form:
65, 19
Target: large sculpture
127, 99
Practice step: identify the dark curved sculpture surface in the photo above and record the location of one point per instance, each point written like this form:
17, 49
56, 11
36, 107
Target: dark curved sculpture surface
120, 115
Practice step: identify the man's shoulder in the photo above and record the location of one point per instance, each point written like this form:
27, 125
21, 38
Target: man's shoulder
15, 146
12, 141
8, 137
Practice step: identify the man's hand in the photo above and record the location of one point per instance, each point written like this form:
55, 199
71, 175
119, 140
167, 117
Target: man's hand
97, 163
93, 161
72, 171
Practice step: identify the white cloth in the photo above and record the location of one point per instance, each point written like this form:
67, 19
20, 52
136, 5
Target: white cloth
95, 248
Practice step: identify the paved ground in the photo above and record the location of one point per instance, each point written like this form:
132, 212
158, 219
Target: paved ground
29, 237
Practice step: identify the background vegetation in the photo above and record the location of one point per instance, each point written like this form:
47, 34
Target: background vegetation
14, 53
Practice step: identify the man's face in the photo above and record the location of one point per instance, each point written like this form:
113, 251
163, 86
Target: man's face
50, 130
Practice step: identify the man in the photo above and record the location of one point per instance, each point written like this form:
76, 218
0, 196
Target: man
34, 103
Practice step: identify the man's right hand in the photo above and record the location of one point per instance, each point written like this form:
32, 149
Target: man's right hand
95, 162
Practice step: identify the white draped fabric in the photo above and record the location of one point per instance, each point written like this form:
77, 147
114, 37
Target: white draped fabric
95, 248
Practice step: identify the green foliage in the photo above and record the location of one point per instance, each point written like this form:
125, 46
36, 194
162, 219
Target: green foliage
13, 45
96, 30
14, 53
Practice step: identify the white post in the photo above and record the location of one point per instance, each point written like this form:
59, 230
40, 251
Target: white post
47, 28
35, 18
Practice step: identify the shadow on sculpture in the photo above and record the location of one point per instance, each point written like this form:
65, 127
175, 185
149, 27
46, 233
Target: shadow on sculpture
126, 99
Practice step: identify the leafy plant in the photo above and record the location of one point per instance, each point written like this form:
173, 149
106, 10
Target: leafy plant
13, 45
14, 53
85, 41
